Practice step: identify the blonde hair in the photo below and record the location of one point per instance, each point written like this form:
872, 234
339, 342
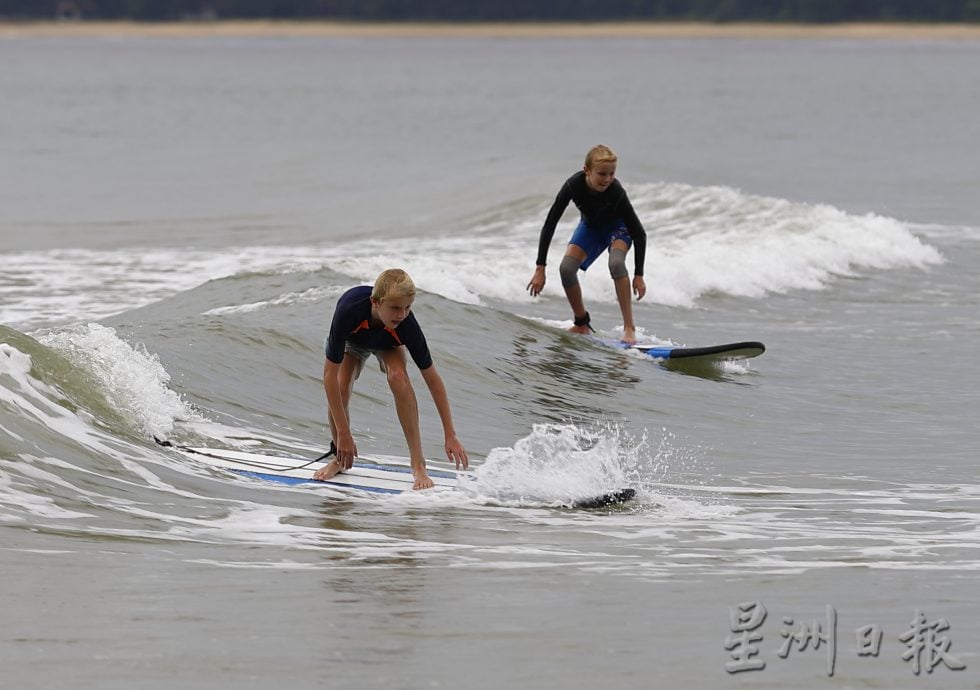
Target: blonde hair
599, 154
393, 282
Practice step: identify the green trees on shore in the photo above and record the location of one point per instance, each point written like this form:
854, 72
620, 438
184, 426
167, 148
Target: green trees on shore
505, 10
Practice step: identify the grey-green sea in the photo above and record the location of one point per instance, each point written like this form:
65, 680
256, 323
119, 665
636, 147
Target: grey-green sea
178, 217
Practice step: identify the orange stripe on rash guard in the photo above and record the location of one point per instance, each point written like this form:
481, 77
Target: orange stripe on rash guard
364, 325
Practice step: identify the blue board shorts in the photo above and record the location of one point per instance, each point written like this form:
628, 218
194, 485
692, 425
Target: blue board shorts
594, 241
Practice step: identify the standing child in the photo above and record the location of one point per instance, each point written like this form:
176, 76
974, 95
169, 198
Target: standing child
379, 321
608, 222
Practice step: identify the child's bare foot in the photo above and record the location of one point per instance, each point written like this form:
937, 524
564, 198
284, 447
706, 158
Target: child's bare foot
629, 336
422, 482
327, 471
582, 324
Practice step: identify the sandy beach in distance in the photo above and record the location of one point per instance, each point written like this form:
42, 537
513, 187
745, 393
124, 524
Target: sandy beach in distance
314, 28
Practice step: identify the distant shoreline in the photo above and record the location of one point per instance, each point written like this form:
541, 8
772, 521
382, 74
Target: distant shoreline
329, 29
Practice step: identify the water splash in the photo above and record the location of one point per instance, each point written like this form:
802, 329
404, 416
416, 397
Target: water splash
132, 380
558, 464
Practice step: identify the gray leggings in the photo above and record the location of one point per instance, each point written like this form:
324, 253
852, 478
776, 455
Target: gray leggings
568, 270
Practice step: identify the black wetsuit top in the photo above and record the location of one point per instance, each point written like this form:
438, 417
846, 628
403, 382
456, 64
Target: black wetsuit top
599, 210
352, 323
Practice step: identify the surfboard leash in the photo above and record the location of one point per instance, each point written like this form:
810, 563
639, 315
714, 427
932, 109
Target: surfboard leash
258, 465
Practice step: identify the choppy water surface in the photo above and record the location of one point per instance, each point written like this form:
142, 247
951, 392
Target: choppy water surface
180, 216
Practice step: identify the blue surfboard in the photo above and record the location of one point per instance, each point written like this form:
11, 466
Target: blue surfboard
709, 354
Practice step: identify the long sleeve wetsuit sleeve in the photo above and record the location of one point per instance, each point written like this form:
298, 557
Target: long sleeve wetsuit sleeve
639, 236
551, 222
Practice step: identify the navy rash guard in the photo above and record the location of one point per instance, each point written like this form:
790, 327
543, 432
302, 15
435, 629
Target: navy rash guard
599, 210
352, 324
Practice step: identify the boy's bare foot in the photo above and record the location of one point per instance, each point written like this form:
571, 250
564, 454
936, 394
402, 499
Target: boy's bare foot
327, 471
629, 336
422, 482
582, 324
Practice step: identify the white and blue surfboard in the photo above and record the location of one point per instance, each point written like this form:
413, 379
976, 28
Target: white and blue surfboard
378, 475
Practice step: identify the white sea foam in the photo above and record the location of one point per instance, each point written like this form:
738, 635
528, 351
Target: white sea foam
315, 294
25, 505
558, 464
717, 240
764, 527
702, 241
40, 402
131, 378
49, 288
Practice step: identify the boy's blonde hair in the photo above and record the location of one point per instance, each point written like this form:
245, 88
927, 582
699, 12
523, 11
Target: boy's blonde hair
393, 282
599, 154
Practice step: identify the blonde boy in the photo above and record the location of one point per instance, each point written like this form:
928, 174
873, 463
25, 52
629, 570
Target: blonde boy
608, 222
379, 321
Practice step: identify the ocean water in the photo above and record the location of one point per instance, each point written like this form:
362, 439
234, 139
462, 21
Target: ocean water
179, 217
